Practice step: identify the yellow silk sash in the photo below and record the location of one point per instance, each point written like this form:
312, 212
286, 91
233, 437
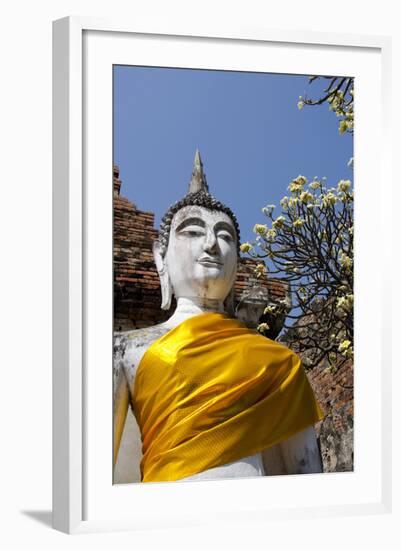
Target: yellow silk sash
212, 391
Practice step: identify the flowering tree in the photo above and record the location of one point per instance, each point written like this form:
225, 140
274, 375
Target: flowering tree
310, 245
339, 93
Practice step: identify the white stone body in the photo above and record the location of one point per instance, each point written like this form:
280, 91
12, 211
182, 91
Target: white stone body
199, 267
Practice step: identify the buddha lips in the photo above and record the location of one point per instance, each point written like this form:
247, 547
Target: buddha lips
212, 391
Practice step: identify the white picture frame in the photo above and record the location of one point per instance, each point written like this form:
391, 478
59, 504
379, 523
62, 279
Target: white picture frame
84, 500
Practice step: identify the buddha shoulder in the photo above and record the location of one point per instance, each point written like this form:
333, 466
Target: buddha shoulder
131, 345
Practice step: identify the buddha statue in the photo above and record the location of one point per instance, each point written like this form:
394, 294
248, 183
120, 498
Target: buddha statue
212, 397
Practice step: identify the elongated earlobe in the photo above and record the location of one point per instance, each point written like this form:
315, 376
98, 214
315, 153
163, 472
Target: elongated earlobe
161, 266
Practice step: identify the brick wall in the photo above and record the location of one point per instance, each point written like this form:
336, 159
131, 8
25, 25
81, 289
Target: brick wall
334, 391
137, 294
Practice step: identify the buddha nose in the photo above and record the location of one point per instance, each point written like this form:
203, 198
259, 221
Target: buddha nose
210, 244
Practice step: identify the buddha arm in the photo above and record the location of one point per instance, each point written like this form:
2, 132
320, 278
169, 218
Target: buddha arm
120, 407
298, 454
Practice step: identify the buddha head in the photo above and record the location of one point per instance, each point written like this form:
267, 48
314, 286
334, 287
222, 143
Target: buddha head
197, 250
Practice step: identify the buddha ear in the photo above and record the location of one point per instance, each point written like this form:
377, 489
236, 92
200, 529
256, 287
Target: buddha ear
161, 266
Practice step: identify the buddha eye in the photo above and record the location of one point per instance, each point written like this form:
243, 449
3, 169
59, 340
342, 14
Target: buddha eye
225, 235
192, 231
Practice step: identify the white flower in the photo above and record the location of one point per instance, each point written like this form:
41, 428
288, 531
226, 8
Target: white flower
305, 196
345, 261
346, 302
246, 247
342, 127
329, 199
279, 222
260, 270
295, 187
301, 179
284, 202
263, 328
260, 228
267, 210
271, 235
345, 348
345, 344
297, 184
298, 222
344, 185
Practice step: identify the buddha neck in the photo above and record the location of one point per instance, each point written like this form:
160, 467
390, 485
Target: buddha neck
189, 306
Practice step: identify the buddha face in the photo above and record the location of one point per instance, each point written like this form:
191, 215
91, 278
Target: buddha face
201, 257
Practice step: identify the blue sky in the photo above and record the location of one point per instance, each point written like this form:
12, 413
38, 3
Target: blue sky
252, 137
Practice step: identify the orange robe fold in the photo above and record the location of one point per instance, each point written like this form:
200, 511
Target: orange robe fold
212, 391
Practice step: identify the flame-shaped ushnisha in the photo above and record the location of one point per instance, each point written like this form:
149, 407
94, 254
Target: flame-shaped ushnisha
198, 195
